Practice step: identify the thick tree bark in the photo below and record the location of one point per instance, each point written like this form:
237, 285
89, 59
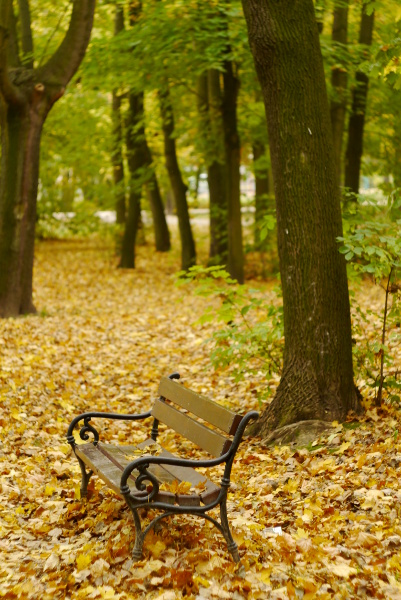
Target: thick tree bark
262, 190
26, 97
117, 151
188, 253
356, 124
317, 379
232, 147
339, 77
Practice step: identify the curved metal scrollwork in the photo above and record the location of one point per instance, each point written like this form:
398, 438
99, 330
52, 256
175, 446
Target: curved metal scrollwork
83, 434
146, 476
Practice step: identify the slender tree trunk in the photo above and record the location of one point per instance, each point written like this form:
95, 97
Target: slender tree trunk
317, 379
232, 147
188, 254
339, 77
210, 111
162, 235
117, 153
117, 159
144, 160
356, 124
135, 161
262, 189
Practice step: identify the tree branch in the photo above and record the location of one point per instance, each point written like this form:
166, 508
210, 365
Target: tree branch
7, 89
64, 63
26, 33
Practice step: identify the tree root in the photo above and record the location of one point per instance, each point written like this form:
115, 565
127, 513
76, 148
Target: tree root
297, 434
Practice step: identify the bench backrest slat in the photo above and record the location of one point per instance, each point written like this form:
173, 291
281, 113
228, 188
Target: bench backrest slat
209, 440
202, 407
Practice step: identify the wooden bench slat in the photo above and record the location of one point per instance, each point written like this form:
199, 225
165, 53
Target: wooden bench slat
205, 438
211, 490
97, 459
108, 462
199, 405
101, 465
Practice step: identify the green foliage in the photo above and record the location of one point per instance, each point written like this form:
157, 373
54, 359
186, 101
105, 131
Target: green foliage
81, 223
266, 226
249, 338
373, 249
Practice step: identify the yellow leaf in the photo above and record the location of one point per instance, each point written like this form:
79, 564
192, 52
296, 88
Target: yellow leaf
65, 448
264, 575
343, 570
344, 446
49, 490
83, 561
361, 461
301, 534
201, 581
307, 517
157, 548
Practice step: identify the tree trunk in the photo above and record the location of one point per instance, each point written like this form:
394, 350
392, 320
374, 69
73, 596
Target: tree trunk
162, 235
188, 254
21, 129
232, 147
262, 189
339, 77
117, 159
117, 153
317, 379
358, 111
26, 97
212, 131
135, 161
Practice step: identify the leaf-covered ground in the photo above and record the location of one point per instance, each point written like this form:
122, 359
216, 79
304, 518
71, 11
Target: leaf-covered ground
102, 340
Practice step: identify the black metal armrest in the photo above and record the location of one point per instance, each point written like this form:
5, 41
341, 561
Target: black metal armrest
142, 463
86, 417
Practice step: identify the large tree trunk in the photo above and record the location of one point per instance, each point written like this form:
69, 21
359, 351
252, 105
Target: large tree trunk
26, 96
317, 379
232, 146
188, 253
356, 124
339, 77
21, 129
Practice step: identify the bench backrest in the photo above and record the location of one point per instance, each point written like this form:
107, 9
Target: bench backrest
208, 411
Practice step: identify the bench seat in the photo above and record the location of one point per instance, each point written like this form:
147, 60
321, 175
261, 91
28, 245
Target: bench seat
109, 461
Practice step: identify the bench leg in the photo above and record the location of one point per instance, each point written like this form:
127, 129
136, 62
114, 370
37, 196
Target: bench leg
231, 545
86, 475
139, 536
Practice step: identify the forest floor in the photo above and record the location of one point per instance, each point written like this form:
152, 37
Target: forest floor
101, 340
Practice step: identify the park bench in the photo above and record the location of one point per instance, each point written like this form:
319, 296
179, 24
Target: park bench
139, 473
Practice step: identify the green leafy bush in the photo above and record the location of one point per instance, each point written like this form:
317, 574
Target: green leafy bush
249, 337
372, 247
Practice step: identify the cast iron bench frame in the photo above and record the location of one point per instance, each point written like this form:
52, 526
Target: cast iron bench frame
103, 459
